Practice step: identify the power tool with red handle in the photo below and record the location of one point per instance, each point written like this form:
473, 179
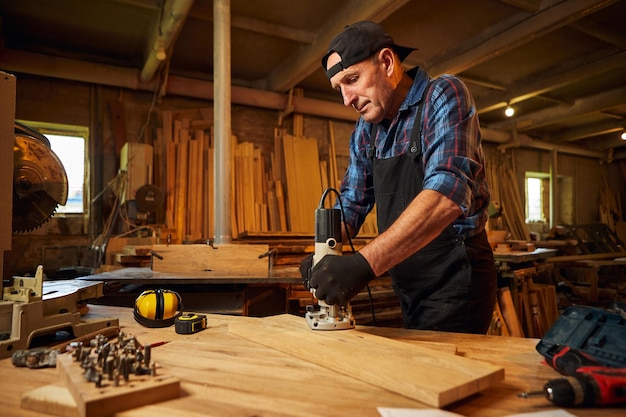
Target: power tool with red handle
586, 382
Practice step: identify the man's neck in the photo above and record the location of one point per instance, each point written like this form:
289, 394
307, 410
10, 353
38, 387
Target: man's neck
399, 94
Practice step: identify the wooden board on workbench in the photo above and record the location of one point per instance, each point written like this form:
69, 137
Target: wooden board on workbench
223, 374
432, 377
51, 399
219, 261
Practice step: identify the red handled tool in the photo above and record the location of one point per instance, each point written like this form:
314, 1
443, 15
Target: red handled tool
585, 383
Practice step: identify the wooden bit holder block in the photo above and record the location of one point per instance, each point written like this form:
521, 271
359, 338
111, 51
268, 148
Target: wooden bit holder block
80, 397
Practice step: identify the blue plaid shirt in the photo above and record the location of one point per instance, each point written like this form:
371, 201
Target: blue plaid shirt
452, 153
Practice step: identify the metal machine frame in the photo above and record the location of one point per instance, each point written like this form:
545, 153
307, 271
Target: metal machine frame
26, 311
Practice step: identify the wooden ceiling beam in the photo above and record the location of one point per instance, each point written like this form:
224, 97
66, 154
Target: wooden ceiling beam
610, 143
203, 11
550, 80
529, 142
594, 30
483, 83
504, 37
145, 4
109, 75
272, 29
587, 131
509, 139
582, 106
585, 26
526, 5
304, 61
167, 26
541, 83
70, 69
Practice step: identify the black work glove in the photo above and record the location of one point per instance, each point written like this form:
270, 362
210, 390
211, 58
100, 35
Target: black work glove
305, 270
337, 279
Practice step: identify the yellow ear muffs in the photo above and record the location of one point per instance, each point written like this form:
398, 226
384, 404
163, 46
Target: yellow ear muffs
158, 308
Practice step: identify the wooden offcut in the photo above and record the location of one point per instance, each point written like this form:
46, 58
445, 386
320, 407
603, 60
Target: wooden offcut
51, 399
509, 314
430, 376
213, 261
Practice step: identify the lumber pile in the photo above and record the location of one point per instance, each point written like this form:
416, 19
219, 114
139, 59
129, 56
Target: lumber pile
250, 189
271, 192
502, 180
610, 207
184, 169
304, 181
529, 308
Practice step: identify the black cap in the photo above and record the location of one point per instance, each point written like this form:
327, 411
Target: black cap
359, 41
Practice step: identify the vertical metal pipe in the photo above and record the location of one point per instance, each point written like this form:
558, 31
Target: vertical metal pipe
221, 112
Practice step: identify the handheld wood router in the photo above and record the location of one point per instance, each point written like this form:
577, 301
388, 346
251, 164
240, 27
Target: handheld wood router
328, 241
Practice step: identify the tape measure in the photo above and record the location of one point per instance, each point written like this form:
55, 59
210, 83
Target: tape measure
190, 323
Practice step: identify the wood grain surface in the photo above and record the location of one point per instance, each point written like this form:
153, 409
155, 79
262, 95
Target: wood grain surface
219, 261
223, 374
424, 374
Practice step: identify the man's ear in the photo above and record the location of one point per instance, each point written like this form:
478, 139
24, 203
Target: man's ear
387, 59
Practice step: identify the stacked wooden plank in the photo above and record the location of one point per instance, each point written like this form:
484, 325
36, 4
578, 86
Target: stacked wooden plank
610, 207
529, 307
370, 226
279, 198
183, 152
502, 180
304, 181
275, 193
250, 190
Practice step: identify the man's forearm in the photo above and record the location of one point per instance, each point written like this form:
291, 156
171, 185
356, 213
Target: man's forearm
428, 214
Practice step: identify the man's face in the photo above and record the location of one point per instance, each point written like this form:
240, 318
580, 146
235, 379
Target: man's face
364, 86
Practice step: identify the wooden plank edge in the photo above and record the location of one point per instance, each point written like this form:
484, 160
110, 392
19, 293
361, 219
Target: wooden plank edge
50, 399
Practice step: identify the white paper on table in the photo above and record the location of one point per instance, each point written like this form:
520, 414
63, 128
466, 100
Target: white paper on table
547, 413
415, 412
435, 412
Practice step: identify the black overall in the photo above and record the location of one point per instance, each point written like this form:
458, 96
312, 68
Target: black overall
449, 285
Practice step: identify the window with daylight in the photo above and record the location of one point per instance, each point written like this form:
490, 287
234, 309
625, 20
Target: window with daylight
538, 196
69, 143
534, 199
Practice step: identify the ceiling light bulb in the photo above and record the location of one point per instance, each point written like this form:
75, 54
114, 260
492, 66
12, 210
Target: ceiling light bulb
624, 135
509, 111
161, 55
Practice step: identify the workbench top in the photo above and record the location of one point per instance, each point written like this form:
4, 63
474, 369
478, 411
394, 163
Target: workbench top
524, 256
223, 374
142, 275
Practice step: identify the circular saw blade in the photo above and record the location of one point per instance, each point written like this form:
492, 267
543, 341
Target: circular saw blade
39, 183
